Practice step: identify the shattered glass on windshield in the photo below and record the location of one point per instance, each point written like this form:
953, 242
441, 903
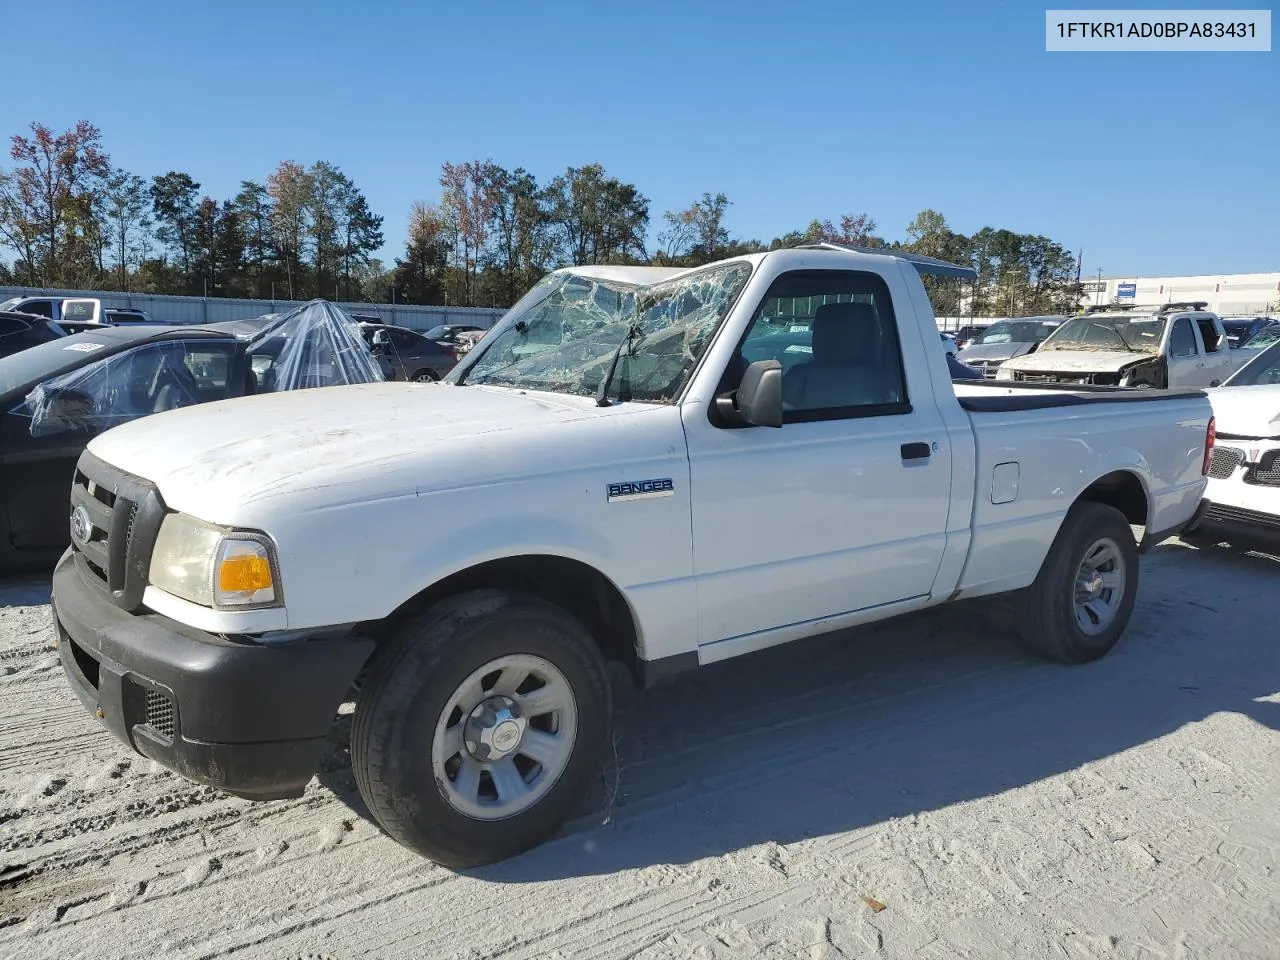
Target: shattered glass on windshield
563, 335
316, 345
1141, 334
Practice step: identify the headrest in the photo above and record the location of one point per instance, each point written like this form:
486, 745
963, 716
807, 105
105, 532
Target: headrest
846, 333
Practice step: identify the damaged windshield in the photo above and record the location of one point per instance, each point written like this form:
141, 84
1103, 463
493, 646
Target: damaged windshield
562, 336
1141, 334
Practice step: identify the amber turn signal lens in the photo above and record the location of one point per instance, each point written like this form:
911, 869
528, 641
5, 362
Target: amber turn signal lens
244, 572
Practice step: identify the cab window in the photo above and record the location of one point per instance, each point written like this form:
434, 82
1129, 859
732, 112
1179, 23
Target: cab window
1209, 335
834, 333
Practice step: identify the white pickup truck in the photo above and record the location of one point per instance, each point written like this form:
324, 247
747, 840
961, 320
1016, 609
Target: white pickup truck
656, 467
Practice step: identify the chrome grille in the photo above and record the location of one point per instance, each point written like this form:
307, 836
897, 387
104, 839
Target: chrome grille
1225, 460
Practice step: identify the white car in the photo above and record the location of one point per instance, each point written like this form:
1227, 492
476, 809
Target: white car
647, 469
1244, 477
1172, 346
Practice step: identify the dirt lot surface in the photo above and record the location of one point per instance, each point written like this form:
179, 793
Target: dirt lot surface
919, 790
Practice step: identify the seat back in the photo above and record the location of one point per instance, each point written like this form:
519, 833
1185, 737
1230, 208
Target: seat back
846, 368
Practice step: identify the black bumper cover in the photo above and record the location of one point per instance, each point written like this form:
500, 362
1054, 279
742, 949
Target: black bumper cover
247, 718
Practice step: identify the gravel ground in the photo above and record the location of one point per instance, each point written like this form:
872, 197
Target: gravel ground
920, 789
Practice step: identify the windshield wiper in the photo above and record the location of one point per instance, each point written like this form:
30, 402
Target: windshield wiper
632, 340
1116, 331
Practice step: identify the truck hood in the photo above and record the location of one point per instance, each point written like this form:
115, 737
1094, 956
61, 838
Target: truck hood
1246, 411
1077, 361
348, 442
994, 351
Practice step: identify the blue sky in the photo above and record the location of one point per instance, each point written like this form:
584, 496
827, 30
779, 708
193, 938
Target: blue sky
1152, 163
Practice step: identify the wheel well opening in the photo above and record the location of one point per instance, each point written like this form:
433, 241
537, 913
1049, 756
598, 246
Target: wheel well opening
585, 593
1122, 490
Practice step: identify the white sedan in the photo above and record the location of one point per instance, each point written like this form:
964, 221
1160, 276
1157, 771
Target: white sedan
1244, 477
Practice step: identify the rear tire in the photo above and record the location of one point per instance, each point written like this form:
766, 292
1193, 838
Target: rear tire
447, 777
1081, 600
424, 376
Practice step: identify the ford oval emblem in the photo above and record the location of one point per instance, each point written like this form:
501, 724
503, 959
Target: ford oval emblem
80, 524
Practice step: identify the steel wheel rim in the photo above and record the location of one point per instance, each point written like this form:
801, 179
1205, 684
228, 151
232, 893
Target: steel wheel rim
512, 776
1099, 586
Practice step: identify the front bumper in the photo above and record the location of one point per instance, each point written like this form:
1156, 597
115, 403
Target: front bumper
248, 718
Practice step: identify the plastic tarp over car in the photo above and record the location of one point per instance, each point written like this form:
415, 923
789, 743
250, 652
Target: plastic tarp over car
315, 345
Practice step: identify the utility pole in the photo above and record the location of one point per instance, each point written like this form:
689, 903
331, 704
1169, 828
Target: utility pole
1098, 293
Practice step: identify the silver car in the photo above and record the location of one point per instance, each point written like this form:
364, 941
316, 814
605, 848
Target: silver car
1005, 340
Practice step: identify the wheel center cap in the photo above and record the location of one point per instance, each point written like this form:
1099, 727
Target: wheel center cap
494, 729
1094, 586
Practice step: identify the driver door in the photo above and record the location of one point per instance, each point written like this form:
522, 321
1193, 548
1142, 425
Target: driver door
1185, 362
845, 506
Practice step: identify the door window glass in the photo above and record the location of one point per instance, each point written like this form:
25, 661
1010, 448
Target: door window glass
834, 333
1182, 341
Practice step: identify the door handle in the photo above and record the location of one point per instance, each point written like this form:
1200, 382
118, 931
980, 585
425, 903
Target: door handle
915, 451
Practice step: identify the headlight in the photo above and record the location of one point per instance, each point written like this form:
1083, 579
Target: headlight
1003, 374
213, 566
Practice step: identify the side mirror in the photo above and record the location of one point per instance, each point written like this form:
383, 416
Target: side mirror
381, 339
758, 399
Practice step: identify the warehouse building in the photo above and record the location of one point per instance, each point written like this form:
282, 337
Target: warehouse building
1227, 294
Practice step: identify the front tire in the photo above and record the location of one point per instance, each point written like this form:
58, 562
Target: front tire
424, 376
477, 733
1081, 600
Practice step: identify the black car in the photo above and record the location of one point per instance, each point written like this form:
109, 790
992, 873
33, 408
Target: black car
47, 421
411, 355
59, 395
19, 331
1240, 330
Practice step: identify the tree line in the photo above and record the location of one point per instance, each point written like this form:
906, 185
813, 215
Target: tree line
72, 219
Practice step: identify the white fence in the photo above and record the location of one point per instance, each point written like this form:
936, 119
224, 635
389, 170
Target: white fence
171, 309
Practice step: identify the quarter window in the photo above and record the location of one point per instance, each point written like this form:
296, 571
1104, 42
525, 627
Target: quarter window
1209, 335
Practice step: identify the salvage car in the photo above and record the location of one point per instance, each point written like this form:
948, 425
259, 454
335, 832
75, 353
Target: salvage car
628, 467
1244, 477
1259, 341
1174, 345
410, 355
60, 394
1240, 330
20, 331
968, 333
1006, 339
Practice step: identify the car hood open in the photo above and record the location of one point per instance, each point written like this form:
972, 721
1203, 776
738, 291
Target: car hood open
340, 444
